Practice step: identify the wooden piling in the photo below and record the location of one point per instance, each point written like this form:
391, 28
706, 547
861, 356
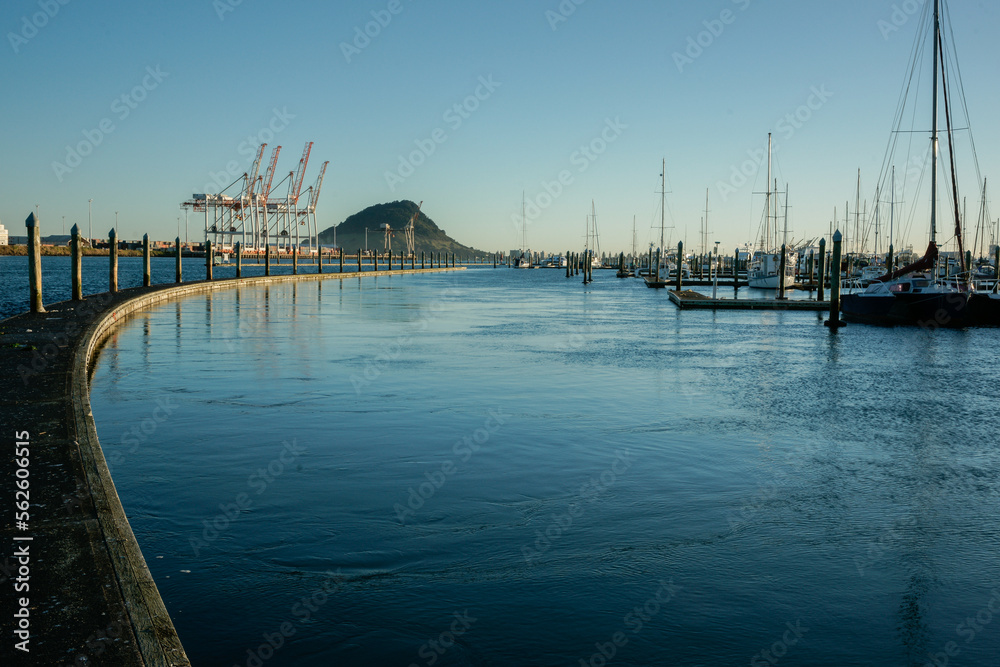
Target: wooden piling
77, 270
295, 261
178, 277
340, 255
267, 259
375, 259
834, 322
736, 269
147, 277
239, 259
209, 260
359, 260
820, 273
319, 260
423, 264
112, 261
657, 265
888, 260
680, 265
781, 273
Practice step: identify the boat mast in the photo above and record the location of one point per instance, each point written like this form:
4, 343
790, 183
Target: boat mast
857, 218
784, 237
704, 240
663, 199
766, 238
934, 124
892, 205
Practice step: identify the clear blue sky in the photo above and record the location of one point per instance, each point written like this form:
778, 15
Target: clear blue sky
221, 76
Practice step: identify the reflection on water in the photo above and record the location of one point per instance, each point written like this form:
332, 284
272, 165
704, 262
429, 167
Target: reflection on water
373, 471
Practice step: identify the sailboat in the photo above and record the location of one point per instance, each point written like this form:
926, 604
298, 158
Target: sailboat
765, 262
524, 261
913, 294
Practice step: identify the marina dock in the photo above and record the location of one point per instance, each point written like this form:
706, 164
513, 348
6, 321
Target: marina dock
689, 300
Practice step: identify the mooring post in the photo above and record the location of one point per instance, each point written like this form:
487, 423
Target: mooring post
75, 249
209, 260
319, 260
680, 264
295, 260
736, 269
375, 259
413, 261
267, 258
888, 260
239, 259
968, 265
147, 278
340, 256
423, 264
179, 275
390, 260
359, 260
34, 264
658, 265
835, 320
820, 271
781, 274
112, 261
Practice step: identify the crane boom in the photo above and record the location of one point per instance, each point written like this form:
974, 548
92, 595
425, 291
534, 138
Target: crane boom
254, 170
314, 193
301, 172
269, 174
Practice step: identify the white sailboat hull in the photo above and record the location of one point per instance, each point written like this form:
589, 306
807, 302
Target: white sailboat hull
764, 269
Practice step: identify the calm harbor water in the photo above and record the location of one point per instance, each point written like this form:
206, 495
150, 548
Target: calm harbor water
507, 468
56, 276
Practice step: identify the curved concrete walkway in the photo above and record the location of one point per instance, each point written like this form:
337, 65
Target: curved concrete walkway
89, 594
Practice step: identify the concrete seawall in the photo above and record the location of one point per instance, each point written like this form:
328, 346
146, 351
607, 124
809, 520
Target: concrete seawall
72, 574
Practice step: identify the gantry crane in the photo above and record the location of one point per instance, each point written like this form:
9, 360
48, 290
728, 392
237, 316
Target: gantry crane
410, 245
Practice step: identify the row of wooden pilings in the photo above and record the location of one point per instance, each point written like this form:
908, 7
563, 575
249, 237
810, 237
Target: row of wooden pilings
442, 260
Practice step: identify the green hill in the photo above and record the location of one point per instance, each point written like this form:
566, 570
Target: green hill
427, 236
